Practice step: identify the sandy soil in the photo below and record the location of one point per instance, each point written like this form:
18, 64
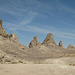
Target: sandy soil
36, 69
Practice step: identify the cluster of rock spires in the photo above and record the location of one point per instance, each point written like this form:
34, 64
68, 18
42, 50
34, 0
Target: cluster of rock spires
49, 41
3, 33
11, 49
12, 37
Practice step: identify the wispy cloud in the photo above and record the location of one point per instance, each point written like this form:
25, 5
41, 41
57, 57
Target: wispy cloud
69, 9
11, 9
65, 35
65, 23
18, 8
24, 15
32, 28
29, 18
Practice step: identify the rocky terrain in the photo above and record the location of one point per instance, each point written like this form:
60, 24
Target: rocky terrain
13, 52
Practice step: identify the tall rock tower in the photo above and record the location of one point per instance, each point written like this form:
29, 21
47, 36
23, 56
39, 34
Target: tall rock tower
60, 44
49, 40
13, 38
2, 31
33, 43
0, 24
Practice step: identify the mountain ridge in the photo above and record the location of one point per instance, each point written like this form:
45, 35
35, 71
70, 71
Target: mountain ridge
13, 51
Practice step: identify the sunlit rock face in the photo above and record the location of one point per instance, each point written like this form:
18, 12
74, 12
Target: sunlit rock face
13, 38
60, 44
2, 31
34, 42
49, 40
70, 46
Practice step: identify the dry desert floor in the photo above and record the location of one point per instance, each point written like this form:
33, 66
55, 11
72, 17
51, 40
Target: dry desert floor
55, 68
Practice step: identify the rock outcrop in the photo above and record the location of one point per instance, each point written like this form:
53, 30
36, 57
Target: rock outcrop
34, 42
13, 38
60, 44
1, 24
2, 31
49, 41
70, 46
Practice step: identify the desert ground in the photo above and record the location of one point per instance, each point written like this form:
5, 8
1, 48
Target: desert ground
41, 69
60, 66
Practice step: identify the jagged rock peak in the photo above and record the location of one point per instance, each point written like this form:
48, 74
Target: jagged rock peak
1, 23
70, 46
35, 38
2, 31
13, 38
49, 40
34, 42
60, 44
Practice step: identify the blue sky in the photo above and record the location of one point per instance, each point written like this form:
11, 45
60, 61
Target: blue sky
27, 18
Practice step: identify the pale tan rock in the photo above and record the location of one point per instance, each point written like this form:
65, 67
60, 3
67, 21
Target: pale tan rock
60, 44
13, 38
49, 40
0, 24
23, 47
34, 42
2, 31
70, 46
5, 34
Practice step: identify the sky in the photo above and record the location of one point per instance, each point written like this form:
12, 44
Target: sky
27, 18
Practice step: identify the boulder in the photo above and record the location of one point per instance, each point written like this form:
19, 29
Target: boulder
70, 46
34, 42
13, 38
60, 44
49, 41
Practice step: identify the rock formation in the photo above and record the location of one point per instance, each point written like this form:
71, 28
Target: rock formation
1, 24
13, 38
11, 51
49, 40
2, 31
34, 42
70, 46
60, 44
